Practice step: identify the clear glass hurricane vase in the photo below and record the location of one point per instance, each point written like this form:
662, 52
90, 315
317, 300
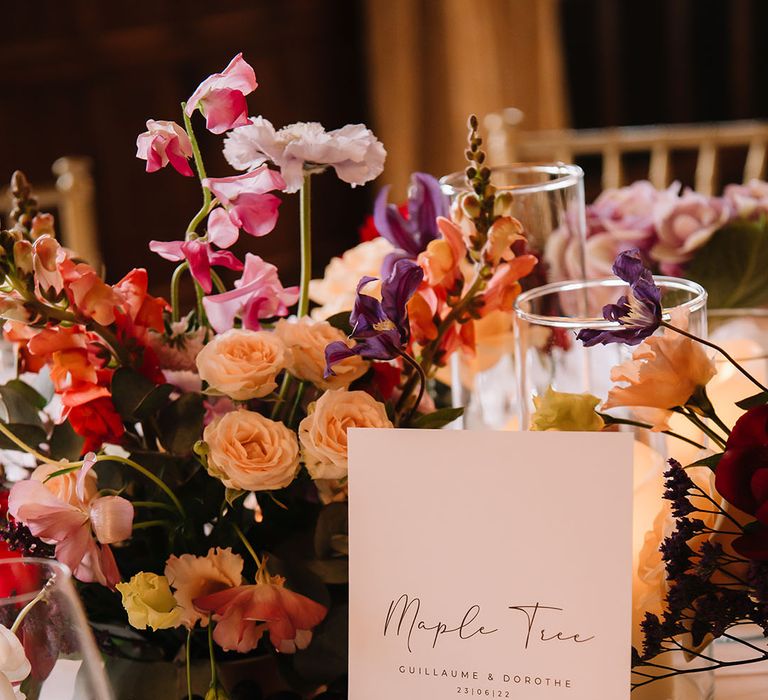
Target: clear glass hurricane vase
38, 602
548, 200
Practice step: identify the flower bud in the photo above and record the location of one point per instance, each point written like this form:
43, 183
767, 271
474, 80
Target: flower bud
22, 257
502, 204
42, 225
216, 693
470, 205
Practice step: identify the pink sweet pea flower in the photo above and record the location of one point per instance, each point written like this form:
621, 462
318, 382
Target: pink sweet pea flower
244, 613
164, 142
258, 294
200, 256
80, 523
221, 96
246, 200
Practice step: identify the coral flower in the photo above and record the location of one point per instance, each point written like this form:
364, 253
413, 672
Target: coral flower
196, 577
664, 372
244, 613
221, 96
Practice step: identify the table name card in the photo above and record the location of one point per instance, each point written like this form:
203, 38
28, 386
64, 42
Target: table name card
489, 564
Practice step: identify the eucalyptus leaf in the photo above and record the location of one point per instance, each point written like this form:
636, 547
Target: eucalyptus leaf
438, 419
20, 403
732, 266
32, 435
332, 571
30, 393
333, 520
136, 397
341, 321
181, 424
65, 443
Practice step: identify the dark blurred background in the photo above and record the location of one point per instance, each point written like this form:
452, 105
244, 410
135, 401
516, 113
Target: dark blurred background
79, 77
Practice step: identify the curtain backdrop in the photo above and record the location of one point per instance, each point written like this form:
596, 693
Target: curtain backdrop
433, 62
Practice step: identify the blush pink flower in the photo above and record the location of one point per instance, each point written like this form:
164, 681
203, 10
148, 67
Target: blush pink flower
221, 96
244, 613
200, 256
247, 202
258, 294
748, 201
685, 226
164, 142
80, 523
353, 151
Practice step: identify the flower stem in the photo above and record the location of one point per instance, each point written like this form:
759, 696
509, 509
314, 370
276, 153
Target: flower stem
200, 167
306, 245
418, 372
24, 447
691, 416
214, 679
612, 420
175, 281
151, 523
719, 349
188, 657
296, 403
31, 604
247, 544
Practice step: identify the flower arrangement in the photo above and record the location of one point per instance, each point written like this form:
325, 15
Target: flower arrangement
705, 561
679, 233
190, 466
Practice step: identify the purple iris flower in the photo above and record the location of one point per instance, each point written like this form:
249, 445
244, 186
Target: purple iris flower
411, 235
379, 327
638, 312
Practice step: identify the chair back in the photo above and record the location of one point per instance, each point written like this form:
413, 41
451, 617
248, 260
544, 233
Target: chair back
507, 143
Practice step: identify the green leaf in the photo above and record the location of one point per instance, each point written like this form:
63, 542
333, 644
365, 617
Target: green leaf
325, 659
341, 321
753, 401
136, 397
732, 266
333, 571
20, 404
231, 495
333, 520
711, 462
31, 394
181, 424
438, 419
65, 443
32, 435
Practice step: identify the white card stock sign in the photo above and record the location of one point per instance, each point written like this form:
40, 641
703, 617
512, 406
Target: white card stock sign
493, 565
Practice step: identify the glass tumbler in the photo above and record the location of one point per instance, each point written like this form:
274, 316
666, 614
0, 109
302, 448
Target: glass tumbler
40, 608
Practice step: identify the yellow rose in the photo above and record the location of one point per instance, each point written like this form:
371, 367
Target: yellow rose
557, 410
306, 341
242, 364
323, 433
251, 452
148, 600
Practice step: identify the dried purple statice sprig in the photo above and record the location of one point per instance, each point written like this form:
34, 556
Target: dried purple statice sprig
19, 539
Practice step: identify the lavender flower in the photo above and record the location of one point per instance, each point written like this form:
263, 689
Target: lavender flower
380, 327
638, 312
678, 486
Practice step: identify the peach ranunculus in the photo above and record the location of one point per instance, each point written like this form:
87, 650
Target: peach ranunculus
336, 291
242, 364
323, 433
305, 341
244, 613
250, 452
194, 577
664, 372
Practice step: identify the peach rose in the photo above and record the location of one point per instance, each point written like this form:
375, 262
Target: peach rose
242, 364
306, 341
251, 452
323, 433
336, 291
193, 577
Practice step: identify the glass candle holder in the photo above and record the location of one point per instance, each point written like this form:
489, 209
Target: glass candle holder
548, 200
39, 606
548, 319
